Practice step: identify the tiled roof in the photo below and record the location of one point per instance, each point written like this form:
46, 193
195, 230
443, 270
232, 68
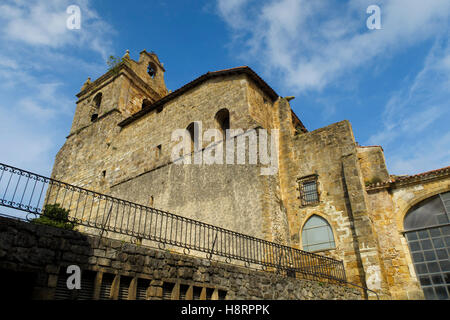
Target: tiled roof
209, 75
399, 180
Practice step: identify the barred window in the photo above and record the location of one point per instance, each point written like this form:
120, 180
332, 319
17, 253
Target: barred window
309, 192
317, 235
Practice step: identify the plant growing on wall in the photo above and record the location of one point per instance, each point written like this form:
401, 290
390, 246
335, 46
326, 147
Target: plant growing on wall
56, 216
114, 63
373, 180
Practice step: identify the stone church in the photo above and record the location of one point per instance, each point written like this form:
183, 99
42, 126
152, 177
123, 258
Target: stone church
329, 195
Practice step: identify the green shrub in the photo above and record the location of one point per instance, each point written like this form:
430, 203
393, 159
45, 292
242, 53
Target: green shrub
56, 216
114, 63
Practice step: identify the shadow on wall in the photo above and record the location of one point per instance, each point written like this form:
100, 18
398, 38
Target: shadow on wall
33, 255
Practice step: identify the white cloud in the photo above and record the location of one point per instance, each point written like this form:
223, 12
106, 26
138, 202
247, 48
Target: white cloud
8, 63
414, 132
43, 23
231, 11
427, 155
38, 25
312, 43
38, 61
45, 103
37, 111
23, 144
313, 46
316, 45
31, 114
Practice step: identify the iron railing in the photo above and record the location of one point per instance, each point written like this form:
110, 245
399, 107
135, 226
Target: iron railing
30, 192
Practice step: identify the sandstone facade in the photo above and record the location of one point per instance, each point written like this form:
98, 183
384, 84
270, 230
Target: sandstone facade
122, 147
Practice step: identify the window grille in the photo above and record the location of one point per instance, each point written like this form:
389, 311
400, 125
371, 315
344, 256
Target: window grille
183, 291
105, 288
209, 292
141, 290
85, 293
167, 290
61, 290
197, 292
309, 191
87, 286
123, 287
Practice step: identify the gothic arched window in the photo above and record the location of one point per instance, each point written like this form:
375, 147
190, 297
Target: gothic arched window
317, 235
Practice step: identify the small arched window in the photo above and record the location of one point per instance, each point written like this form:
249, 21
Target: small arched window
223, 120
97, 103
94, 117
191, 129
98, 100
317, 235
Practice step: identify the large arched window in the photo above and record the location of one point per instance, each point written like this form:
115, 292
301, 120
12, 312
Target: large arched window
427, 229
317, 235
223, 120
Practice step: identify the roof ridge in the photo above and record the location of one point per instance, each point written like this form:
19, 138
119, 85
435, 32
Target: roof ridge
229, 69
423, 173
245, 69
409, 177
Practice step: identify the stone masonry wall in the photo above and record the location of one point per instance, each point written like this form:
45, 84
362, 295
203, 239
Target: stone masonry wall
330, 153
388, 208
114, 269
372, 163
125, 162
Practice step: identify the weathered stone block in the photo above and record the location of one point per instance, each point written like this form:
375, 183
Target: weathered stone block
99, 253
103, 262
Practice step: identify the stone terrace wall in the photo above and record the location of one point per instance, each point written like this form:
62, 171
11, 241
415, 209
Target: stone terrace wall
34, 258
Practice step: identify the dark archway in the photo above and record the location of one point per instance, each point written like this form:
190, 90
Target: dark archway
151, 70
146, 103
191, 131
223, 121
97, 103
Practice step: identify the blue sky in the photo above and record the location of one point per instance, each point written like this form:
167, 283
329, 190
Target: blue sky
393, 84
